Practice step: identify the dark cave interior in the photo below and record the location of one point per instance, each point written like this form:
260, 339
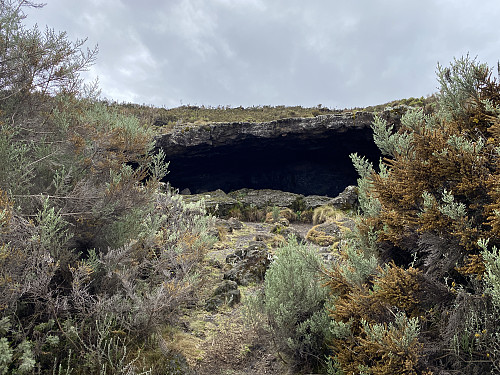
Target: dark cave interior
317, 165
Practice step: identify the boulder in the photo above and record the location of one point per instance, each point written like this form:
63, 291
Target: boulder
346, 224
249, 265
185, 191
217, 201
346, 200
216, 232
225, 226
241, 254
263, 237
287, 232
331, 232
271, 240
313, 201
325, 234
234, 223
227, 293
222, 224
292, 206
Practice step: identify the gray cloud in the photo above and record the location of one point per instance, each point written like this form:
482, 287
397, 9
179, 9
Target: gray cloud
258, 52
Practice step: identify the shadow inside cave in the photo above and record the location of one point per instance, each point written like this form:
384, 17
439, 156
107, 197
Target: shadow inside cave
308, 166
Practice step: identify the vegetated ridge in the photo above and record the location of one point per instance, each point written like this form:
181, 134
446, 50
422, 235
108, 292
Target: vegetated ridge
199, 115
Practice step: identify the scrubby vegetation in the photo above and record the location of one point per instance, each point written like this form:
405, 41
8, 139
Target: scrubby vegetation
97, 257
193, 114
296, 307
415, 287
198, 115
430, 219
428, 104
93, 256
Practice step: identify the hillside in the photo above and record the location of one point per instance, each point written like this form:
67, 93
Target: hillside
107, 269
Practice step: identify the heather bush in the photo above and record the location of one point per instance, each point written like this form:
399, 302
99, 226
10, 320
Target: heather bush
430, 306
108, 302
376, 326
94, 256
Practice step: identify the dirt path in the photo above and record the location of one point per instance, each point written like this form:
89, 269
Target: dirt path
223, 342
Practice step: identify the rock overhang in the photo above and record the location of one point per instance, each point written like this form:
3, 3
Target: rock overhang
301, 155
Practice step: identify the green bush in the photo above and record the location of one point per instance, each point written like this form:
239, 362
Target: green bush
94, 256
294, 303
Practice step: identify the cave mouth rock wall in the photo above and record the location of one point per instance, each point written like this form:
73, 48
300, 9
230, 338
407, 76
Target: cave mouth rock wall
303, 166
308, 156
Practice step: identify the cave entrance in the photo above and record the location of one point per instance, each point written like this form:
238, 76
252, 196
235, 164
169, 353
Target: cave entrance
316, 165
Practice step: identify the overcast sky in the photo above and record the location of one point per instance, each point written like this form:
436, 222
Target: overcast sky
338, 53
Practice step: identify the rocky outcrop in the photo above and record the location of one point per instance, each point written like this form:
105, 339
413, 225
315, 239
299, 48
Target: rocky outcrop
347, 200
286, 232
249, 264
202, 137
222, 204
309, 156
266, 198
212, 135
